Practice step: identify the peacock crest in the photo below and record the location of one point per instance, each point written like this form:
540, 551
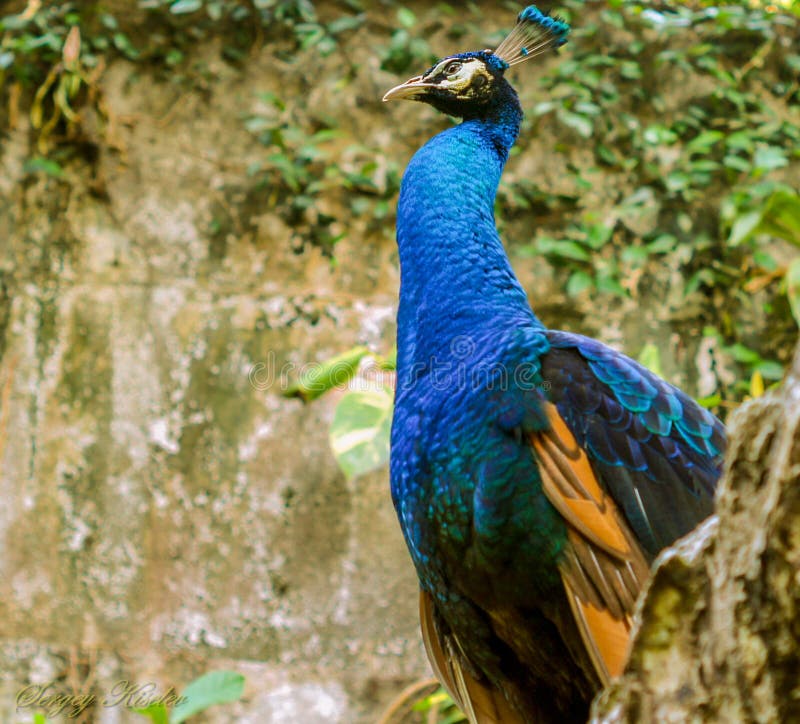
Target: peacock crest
535, 33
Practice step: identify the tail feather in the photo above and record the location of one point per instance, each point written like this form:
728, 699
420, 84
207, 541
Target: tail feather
480, 702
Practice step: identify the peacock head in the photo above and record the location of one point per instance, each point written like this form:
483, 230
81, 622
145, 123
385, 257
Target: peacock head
464, 85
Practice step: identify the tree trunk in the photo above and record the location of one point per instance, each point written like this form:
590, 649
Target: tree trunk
719, 632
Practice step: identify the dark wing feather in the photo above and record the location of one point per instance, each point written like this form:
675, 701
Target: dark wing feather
604, 567
653, 448
480, 701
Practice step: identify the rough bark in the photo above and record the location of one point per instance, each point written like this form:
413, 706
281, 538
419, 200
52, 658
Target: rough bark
719, 626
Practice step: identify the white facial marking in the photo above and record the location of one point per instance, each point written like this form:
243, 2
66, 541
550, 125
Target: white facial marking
461, 76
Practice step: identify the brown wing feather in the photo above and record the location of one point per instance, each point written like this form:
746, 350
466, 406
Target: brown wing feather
604, 567
477, 699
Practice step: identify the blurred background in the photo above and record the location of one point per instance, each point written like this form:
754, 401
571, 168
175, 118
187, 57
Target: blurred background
197, 229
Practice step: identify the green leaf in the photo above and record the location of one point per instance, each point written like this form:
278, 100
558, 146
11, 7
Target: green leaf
157, 712
781, 216
317, 379
767, 158
650, 357
635, 255
659, 135
182, 7
765, 260
125, 46
606, 155
744, 227
610, 285
778, 215
43, 165
740, 140
662, 244
743, 354
793, 288
737, 163
15, 22
710, 401
703, 165
677, 181
701, 276
406, 18
597, 235
346, 22
769, 369
587, 108
578, 282
215, 687
359, 433
630, 70
704, 141
563, 248
582, 125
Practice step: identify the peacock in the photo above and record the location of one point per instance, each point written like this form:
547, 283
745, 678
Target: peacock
535, 473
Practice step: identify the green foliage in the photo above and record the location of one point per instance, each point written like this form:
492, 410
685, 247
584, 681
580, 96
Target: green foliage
42, 50
768, 210
406, 50
440, 708
157, 713
359, 433
423, 701
161, 30
158, 31
215, 687
581, 251
298, 16
318, 379
307, 180
650, 357
706, 184
32, 41
47, 166
793, 288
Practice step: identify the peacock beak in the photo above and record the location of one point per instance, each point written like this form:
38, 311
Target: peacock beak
411, 89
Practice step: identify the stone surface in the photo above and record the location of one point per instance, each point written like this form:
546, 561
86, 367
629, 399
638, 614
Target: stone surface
166, 512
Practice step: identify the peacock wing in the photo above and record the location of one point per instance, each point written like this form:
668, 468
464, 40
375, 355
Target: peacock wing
603, 567
653, 449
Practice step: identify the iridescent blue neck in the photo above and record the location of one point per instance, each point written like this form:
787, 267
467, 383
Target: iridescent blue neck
456, 279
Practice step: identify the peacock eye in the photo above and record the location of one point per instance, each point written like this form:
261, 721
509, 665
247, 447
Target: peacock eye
453, 67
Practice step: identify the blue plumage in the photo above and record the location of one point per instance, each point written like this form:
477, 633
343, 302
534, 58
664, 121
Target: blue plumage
534, 472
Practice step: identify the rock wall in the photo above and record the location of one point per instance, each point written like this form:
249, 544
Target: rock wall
166, 511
